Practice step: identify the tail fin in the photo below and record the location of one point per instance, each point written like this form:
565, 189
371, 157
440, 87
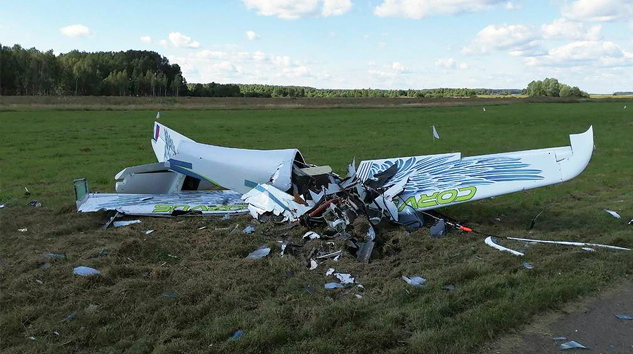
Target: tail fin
165, 142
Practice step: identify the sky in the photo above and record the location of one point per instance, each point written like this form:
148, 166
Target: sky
384, 44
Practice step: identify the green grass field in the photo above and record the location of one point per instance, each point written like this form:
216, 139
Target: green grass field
219, 292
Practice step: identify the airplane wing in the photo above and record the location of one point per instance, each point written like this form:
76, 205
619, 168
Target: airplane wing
435, 181
196, 202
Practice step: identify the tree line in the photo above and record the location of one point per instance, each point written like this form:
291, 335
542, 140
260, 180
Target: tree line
133, 72
147, 73
550, 87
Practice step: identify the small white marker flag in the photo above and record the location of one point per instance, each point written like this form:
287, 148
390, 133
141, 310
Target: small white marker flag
157, 115
435, 134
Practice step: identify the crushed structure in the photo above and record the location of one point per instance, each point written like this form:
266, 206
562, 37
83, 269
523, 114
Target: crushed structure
192, 178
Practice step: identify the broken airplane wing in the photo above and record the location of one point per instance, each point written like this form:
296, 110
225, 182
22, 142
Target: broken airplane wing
280, 182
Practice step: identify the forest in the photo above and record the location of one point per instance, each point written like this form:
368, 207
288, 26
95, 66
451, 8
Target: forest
30, 72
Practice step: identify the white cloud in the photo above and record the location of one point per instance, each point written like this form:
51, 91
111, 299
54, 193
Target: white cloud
519, 39
179, 40
233, 65
564, 29
512, 6
146, 39
584, 53
417, 9
450, 63
163, 43
599, 10
335, 7
251, 35
294, 9
76, 31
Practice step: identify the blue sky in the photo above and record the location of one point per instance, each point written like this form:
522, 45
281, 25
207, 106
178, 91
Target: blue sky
350, 43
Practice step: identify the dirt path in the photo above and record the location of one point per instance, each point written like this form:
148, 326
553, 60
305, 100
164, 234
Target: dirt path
591, 322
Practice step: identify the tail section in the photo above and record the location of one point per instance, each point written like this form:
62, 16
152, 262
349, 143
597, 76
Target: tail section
165, 142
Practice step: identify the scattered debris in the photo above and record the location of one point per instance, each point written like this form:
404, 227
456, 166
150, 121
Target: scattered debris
248, 229
449, 287
261, 252
23, 230
329, 272
559, 339
147, 232
309, 289
588, 249
439, 228
202, 227
415, 280
170, 294
358, 296
366, 248
1, 206
311, 235
345, 278
125, 223
527, 265
630, 222
533, 221
571, 345
613, 213
313, 264
35, 203
624, 317
237, 335
284, 244
85, 271
26, 192
39, 281
569, 243
331, 286
110, 221
492, 242
173, 256
70, 317
55, 255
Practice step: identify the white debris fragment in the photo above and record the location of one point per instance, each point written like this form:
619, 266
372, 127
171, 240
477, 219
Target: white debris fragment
1, 206
284, 244
569, 243
265, 198
588, 249
358, 296
415, 280
492, 243
333, 286
23, 230
147, 232
259, 253
311, 235
202, 227
613, 213
345, 278
313, 264
85, 271
125, 223
329, 272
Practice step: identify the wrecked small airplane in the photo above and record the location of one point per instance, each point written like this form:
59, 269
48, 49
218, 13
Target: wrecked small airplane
195, 178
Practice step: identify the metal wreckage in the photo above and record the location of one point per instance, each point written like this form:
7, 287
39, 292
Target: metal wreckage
192, 178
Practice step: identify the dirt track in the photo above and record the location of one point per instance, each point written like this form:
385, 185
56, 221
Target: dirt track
590, 322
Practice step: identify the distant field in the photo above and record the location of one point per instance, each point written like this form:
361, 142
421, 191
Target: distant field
218, 292
96, 103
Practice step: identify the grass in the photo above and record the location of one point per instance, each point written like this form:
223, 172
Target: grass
218, 292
